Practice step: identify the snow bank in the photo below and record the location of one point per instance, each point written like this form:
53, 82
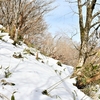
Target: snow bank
28, 77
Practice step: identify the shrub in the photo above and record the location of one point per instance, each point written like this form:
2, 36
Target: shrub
7, 72
59, 63
89, 78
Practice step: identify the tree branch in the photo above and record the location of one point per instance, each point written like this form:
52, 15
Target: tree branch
95, 15
93, 3
94, 32
94, 24
80, 14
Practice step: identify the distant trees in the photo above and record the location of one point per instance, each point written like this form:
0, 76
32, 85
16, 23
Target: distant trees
59, 47
21, 17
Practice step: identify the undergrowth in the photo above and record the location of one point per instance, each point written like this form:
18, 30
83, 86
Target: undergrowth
87, 82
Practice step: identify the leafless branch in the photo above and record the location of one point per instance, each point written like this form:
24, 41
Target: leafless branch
71, 1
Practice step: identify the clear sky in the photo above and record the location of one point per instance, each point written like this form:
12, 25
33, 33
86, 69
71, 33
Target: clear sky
63, 19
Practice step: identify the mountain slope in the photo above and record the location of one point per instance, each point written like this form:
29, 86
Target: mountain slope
28, 78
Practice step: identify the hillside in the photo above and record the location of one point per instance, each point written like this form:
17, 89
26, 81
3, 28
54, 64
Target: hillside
25, 77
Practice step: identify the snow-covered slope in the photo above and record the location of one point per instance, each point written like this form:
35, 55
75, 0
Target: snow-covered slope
25, 78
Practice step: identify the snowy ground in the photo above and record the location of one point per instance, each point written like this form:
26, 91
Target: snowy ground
26, 78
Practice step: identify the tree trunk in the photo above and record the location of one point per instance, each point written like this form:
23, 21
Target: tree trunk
16, 36
81, 61
84, 48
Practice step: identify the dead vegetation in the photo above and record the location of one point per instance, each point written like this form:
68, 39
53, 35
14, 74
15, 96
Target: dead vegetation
23, 18
57, 47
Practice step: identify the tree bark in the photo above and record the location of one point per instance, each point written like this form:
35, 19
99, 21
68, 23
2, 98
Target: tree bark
85, 27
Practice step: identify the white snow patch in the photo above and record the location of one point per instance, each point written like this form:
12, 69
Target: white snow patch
31, 77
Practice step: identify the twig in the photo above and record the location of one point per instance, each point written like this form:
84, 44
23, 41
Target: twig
55, 85
3, 96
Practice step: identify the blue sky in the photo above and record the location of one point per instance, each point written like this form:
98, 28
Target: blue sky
63, 19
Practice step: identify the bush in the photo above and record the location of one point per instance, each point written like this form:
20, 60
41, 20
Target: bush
89, 79
59, 63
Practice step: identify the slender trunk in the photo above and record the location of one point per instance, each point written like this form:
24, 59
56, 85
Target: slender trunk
16, 36
83, 48
81, 61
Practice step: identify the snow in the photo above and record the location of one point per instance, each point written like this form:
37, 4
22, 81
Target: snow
1, 26
31, 77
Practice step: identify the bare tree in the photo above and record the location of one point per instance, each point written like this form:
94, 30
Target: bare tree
57, 47
21, 17
88, 11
